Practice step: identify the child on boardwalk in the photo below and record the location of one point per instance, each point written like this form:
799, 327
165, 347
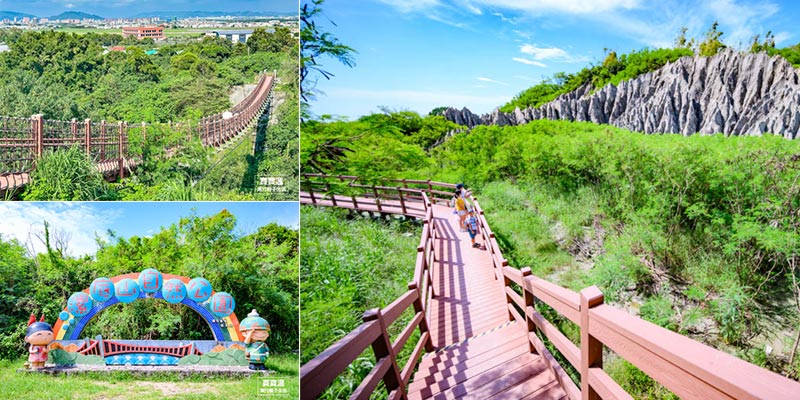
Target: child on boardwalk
461, 208
472, 228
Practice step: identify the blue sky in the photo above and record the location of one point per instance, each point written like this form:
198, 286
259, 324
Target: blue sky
83, 220
126, 8
420, 54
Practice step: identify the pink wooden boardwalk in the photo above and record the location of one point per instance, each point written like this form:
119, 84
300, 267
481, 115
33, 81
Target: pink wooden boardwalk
480, 354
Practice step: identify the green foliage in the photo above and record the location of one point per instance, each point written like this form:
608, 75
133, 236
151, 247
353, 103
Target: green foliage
712, 43
273, 42
614, 69
348, 266
259, 270
372, 146
767, 45
315, 44
67, 175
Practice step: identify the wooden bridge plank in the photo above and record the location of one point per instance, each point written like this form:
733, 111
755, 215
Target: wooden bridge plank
470, 304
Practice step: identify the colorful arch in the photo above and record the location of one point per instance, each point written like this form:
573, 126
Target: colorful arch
70, 326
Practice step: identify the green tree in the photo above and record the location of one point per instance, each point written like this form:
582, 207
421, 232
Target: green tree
315, 44
767, 45
712, 43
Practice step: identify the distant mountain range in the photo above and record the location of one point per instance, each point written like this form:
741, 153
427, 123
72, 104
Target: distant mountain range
75, 15
11, 15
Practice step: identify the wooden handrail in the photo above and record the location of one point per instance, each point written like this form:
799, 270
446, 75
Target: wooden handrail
688, 368
386, 368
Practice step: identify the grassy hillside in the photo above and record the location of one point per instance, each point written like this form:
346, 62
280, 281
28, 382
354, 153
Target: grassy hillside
697, 234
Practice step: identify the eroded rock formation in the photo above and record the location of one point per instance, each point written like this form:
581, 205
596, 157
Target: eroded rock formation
732, 93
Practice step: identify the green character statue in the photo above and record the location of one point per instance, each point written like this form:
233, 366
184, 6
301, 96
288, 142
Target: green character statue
256, 331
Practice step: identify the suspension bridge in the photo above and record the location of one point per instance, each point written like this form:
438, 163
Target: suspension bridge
25, 140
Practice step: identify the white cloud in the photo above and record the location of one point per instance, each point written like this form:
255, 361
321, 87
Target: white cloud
529, 62
79, 221
407, 6
566, 6
69, 5
490, 80
543, 53
743, 21
782, 37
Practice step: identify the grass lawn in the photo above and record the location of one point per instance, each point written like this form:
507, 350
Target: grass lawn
124, 386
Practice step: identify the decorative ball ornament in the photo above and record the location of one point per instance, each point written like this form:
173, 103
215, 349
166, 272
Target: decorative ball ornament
126, 290
199, 289
150, 280
222, 304
173, 291
101, 290
79, 304
64, 316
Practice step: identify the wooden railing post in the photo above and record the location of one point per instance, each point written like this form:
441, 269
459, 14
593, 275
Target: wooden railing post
38, 134
87, 131
419, 306
73, 129
591, 348
528, 298
144, 133
402, 202
120, 156
103, 139
382, 347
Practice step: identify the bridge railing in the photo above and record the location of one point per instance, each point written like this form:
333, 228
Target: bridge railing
24, 140
317, 374
688, 368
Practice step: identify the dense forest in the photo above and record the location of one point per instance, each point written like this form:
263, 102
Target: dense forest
259, 270
65, 76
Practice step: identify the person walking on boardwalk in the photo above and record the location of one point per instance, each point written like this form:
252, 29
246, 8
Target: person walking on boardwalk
472, 228
461, 208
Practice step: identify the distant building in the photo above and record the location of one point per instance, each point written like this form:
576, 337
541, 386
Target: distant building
232, 36
141, 32
118, 48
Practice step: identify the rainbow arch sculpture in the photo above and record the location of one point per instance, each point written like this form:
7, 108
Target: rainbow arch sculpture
216, 308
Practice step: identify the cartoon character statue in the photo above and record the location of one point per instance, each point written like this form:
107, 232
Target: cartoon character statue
39, 335
256, 331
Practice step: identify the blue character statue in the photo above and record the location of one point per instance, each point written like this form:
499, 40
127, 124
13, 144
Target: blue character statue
256, 331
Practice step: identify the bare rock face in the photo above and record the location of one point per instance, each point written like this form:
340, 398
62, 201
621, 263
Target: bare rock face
732, 93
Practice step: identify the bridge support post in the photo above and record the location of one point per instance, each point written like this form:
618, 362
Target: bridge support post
73, 129
382, 348
591, 348
87, 132
103, 139
120, 148
38, 134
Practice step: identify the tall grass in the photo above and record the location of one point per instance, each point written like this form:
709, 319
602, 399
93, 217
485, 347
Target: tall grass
347, 266
67, 175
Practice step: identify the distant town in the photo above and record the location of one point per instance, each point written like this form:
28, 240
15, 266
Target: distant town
94, 22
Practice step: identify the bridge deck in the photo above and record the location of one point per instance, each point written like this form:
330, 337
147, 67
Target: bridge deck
480, 354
